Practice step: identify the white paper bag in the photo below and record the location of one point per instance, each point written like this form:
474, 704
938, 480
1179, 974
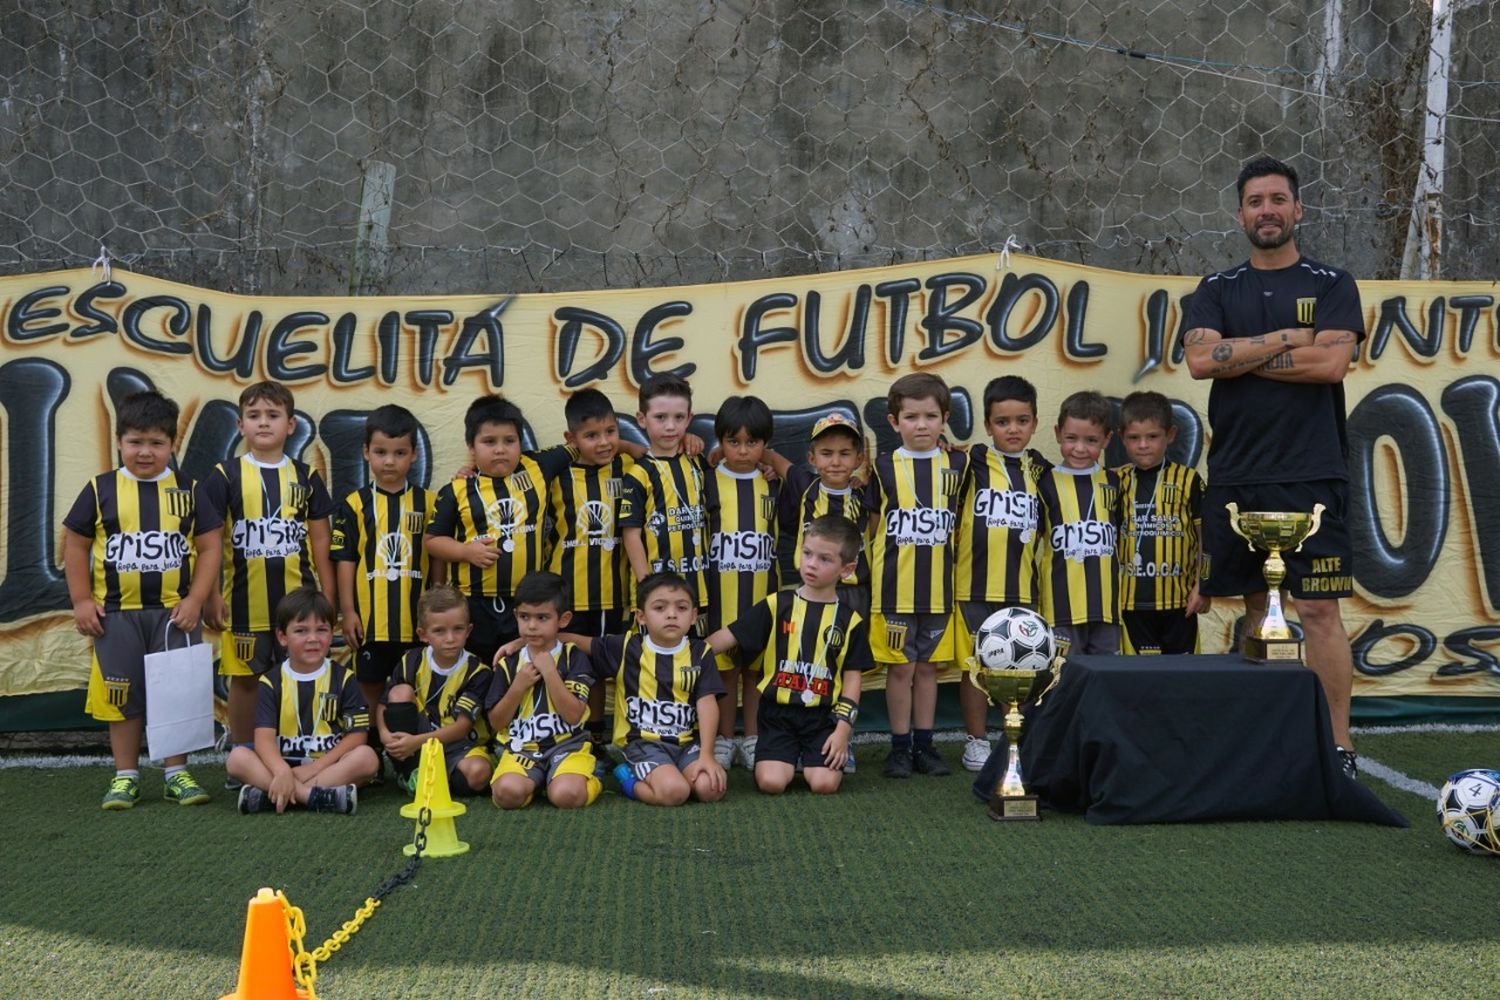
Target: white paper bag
179, 698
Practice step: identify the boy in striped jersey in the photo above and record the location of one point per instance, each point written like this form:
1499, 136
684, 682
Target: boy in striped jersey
127, 556
836, 453
1159, 548
741, 556
816, 650
269, 512
997, 536
1079, 528
377, 546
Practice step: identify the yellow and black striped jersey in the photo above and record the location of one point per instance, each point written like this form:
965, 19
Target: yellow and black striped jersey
1159, 536
310, 712
537, 726
810, 644
803, 497
998, 518
583, 534
506, 511
381, 533
668, 498
656, 690
444, 695
915, 499
1076, 557
142, 533
264, 511
742, 547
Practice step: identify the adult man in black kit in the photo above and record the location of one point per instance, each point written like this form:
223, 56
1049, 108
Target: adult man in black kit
1277, 335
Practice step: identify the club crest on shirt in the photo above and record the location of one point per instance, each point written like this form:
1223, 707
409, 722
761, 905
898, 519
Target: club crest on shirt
948, 481
520, 482
614, 488
328, 707
833, 637
299, 496
1170, 493
768, 508
1305, 309
414, 521
179, 501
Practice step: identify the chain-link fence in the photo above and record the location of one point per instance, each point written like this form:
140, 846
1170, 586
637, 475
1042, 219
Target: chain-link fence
455, 145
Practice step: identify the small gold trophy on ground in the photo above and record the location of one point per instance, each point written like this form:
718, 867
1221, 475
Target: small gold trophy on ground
1013, 653
1275, 532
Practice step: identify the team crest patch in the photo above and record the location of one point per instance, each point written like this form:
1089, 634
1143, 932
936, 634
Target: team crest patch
1205, 564
328, 707
179, 502
895, 636
414, 521
768, 508
1305, 309
244, 648
948, 482
299, 494
833, 637
520, 482
1110, 495
614, 488
117, 691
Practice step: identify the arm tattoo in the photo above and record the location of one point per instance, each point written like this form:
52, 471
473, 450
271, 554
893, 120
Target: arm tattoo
1280, 363
1194, 336
1222, 352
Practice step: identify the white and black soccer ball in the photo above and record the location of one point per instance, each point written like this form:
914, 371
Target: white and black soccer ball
1468, 807
1014, 639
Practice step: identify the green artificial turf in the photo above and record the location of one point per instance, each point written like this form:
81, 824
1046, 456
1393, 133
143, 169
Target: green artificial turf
889, 889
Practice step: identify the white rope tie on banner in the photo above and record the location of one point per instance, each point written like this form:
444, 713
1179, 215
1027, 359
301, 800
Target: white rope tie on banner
1011, 243
101, 264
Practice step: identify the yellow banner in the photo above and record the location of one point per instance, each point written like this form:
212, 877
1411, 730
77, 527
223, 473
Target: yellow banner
1424, 405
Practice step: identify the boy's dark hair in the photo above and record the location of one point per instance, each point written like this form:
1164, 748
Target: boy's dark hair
661, 581
585, 405
1089, 406
1265, 166
1007, 388
837, 529
664, 384
147, 411
490, 410
393, 421
1151, 406
439, 598
542, 587
267, 392
304, 602
743, 413
919, 385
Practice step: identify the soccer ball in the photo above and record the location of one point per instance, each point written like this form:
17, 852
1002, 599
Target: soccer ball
1468, 807
1014, 639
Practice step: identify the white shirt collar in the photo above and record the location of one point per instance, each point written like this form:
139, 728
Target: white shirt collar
673, 651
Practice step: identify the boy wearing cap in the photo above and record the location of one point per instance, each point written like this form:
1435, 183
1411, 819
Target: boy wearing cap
837, 452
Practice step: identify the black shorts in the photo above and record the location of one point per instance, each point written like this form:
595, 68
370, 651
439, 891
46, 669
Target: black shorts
374, 662
494, 624
1149, 631
791, 733
1323, 568
596, 623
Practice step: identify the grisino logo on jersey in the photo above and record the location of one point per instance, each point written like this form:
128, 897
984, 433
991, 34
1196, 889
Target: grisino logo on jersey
535, 729
919, 525
1080, 540
664, 718
145, 551
268, 537
308, 746
742, 551
1006, 509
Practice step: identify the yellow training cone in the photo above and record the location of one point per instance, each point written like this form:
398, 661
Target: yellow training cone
266, 958
432, 792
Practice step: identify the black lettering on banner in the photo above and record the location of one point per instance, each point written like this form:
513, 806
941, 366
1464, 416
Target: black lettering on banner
486, 322
178, 324
1077, 311
850, 354
643, 348
1421, 642
242, 361
1393, 317
1473, 404
216, 432
343, 434
1461, 643
1179, 342
942, 317
1469, 307
26, 311
31, 390
754, 338
899, 292
280, 348
1400, 413
573, 321
429, 323
388, 349
1156, 329
1012, 290
343, 349
84, 307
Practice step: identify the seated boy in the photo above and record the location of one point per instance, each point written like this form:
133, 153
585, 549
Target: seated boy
311, 724
816, 650
538, 703
435, 694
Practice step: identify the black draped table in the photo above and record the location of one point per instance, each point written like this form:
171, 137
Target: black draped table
1156, 739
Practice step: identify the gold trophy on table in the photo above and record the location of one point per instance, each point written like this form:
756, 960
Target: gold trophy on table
1013, 656
1275, 532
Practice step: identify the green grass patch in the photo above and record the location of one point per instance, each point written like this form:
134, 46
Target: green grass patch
888, 889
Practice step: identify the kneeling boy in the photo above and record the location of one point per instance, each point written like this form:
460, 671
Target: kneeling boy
810, 683
311, 722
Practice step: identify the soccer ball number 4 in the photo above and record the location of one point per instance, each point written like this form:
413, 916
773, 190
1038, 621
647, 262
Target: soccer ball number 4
1014, 639
1469, 809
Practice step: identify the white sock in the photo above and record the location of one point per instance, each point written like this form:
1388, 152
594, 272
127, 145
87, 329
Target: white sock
127, 772
172, 769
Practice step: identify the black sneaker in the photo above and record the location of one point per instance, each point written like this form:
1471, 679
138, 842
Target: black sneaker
253, 800
232, 784
898, 763
1348, 762
928, 761
342, 799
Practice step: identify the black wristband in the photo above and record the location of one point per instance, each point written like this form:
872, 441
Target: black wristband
846, 710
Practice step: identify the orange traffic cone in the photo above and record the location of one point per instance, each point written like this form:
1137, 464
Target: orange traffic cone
266, 959
432, 792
